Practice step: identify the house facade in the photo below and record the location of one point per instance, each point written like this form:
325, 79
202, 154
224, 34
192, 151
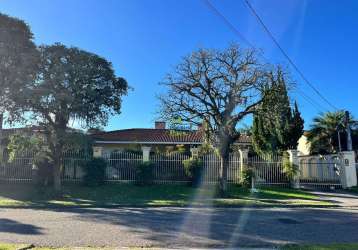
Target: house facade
155, 140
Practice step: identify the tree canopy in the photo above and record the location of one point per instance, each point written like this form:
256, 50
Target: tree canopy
71, 84
18, 59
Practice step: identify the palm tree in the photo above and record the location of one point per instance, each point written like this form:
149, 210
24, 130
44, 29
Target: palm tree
323, 134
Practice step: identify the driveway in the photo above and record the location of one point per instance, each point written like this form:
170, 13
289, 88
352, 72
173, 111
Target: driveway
339, 197
178, 227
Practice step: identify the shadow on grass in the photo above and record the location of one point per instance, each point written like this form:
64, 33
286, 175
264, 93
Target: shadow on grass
132, 195
111, 194
208, 226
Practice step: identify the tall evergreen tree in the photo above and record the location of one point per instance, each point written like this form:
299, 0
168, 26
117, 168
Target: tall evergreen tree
276, 127
297, 128
264, 139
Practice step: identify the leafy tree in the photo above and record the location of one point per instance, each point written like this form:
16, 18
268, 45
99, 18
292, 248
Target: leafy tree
71, 85
20, 143
36, 144
18, 59
323, 134
219, 89
276, 127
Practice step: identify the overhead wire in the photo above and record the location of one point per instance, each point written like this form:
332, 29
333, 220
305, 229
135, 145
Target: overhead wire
291, 62
232, 27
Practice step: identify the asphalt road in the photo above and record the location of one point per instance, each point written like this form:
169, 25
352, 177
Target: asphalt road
178, 227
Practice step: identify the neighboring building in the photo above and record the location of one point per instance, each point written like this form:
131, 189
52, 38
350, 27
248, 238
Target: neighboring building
304, 146
157, 139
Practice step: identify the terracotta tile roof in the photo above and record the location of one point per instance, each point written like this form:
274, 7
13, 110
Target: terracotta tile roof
156, 136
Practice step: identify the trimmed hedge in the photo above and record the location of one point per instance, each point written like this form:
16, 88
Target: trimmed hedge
145, 173
95, 172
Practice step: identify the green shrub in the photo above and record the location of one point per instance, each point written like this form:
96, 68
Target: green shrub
193, 168
42, 170
95, 172
246, 177
145, 173
289, 169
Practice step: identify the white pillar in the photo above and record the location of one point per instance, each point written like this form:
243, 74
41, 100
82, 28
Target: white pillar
194, 152
244, 156
348, 173
146, 152
98, 151
293, 158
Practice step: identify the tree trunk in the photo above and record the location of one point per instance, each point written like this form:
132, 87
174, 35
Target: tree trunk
224, 162
57, 154
57, 172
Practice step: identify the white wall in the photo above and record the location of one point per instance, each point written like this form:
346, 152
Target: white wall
303, 146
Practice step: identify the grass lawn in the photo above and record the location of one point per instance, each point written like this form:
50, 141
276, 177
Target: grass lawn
349, 246
15, 195
354, 189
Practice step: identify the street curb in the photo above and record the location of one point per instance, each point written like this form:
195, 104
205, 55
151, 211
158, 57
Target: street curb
168, 206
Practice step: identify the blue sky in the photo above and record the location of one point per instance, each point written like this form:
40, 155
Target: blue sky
144, 39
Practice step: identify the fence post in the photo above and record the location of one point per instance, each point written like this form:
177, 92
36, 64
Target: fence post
348, 173
146, 152
194, 152
293, 158
244, 157
98, 152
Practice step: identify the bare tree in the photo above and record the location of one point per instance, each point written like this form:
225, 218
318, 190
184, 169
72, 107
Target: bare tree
217, 88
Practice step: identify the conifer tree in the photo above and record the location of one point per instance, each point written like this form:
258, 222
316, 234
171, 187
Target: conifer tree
297, 128
276, 127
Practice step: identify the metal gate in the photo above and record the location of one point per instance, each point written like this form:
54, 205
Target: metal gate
268, 170
321, 171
